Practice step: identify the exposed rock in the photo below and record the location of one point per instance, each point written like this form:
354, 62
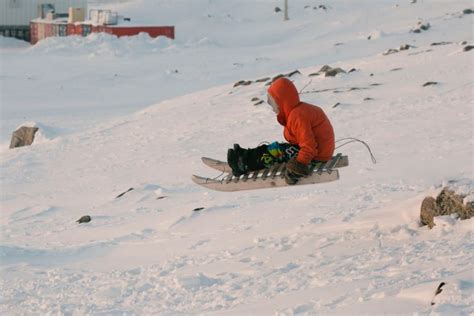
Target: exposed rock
424, 27
331, 72
421, 27
391, 51
352, 70
468, 48
394, 50
467, 11
197, 209
84, 219
259, 102
428, 211
242, 83
440, 43
368, 99
396, 69
277, 9
446, 203
123, 193
422, 52
263, 79
356, 88
277, 77
295, 72
255, 99
24, 136
336, 105
405, 47
430, 83
449, 202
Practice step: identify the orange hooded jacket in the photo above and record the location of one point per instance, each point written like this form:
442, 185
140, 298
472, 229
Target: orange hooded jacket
305, 125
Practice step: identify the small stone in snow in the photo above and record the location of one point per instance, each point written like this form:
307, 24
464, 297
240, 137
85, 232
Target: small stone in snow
84, 219
430, 83
468, 48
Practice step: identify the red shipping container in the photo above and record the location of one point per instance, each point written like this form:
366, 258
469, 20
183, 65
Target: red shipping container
33, 33
48, 30
153, 31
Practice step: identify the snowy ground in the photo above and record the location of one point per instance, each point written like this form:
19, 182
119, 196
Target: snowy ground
349, 247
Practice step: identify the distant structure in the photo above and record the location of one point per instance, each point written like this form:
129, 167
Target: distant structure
15, 15
34, 20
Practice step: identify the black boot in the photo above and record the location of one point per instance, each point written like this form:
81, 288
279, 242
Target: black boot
258, 158
237, 158
243, 160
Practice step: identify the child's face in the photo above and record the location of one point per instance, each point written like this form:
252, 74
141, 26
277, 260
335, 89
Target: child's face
273, 104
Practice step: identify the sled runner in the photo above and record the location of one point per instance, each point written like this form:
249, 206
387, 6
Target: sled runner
272, 177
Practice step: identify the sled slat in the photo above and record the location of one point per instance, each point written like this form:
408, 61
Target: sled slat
333, 162
265, 173
260, 183
275, 171
255, 175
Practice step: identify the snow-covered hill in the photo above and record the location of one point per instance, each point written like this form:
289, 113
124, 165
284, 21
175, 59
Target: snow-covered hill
349, 247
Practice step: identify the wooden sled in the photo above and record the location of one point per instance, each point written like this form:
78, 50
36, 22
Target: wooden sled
272, 177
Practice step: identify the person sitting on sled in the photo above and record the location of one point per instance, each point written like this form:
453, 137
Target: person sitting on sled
307, 129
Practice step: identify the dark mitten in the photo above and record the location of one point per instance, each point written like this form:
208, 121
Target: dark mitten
296, 167
294, 171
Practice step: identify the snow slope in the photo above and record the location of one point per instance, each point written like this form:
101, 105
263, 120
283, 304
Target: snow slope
348, 247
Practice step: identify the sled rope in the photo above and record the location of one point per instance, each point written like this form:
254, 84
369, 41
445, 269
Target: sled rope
353, 140
301, 91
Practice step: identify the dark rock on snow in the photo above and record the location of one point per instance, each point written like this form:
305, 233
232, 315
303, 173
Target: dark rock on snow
391, 51
123, 193
440, 43
84, 219
430, 83
263, 79
468, 48
24, 136
446, 203
421, 27
331, 72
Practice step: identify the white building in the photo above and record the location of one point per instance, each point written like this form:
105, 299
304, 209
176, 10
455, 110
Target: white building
15, 15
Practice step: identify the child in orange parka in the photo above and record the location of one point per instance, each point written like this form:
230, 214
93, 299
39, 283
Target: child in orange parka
307, 129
